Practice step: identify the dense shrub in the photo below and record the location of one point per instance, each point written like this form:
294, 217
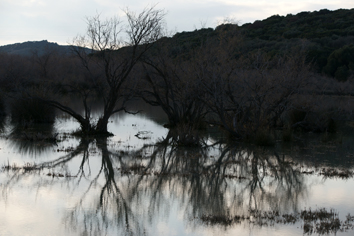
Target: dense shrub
31, 110
340, 63
312, 121
2, 106
2, 114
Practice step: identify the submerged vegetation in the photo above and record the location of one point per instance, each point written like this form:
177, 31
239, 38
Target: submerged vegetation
239, 104
321, 221
248, 80
219, 185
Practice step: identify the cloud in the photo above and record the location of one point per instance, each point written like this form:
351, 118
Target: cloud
24, 20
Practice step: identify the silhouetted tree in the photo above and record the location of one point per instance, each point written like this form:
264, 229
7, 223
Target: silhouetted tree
109, 63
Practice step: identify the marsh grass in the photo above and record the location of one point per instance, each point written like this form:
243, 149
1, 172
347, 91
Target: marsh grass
60, 175
329, 172
30, 167
336, 173
15, 167
224, 220
320, 221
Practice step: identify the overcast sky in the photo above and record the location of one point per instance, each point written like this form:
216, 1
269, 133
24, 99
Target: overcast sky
61, 20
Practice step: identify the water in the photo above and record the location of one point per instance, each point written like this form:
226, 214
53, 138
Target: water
125, 185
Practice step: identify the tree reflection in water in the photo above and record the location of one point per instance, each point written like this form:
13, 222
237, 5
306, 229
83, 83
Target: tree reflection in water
129, 191
237, 182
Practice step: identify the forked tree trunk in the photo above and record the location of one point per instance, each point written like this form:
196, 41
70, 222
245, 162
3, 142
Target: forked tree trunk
86, 126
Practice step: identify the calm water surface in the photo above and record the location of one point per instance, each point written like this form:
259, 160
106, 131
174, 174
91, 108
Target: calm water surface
126, 185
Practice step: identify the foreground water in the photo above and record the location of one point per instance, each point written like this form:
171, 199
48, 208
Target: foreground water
126, 185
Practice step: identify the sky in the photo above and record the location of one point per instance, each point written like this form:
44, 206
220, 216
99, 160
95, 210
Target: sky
61, 21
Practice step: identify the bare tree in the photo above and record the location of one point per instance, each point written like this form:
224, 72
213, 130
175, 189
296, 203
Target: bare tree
171, 83
246, 94
110, 61
254, 97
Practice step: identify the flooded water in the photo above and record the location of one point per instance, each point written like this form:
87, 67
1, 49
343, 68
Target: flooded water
127, 185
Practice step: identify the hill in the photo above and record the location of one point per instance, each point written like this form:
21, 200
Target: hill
325, 37
39, 47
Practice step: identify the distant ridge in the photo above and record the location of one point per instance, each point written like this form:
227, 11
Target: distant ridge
324, 37
31, 47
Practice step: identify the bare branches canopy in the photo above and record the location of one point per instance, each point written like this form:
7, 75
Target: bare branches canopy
115, 49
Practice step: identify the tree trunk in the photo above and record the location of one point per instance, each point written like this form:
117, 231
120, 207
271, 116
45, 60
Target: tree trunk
86, 127
101, 126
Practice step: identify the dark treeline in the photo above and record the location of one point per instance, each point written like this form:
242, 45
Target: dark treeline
327, 35
286, 73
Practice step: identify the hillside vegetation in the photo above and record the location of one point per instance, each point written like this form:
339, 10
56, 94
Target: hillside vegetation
327, 37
